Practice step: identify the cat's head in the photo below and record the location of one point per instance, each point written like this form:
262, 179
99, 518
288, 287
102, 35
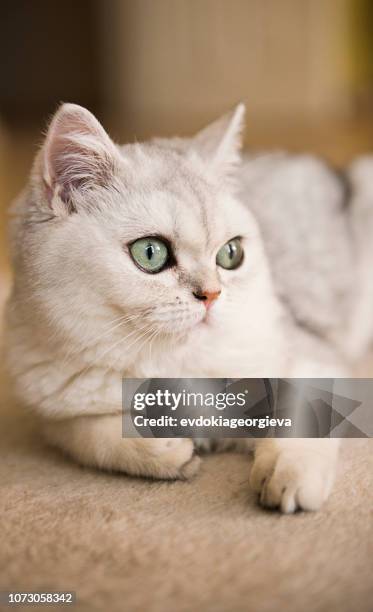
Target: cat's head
151, 231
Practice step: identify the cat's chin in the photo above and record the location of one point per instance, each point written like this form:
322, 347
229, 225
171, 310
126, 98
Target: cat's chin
181, 332
181, 326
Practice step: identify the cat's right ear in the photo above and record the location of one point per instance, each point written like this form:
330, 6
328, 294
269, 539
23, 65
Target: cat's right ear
219, 144
77, 155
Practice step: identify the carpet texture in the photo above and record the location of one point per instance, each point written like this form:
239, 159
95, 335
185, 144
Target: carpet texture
129, 544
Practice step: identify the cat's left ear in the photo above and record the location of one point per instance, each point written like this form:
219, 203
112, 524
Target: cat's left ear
219, 144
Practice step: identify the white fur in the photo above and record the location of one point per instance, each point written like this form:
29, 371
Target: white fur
82, 315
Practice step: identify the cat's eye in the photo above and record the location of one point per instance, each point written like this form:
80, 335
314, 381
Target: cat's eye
230, 255
150, 254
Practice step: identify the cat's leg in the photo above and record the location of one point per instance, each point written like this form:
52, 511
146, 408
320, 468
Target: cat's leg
292, 474
221, 445
97, 441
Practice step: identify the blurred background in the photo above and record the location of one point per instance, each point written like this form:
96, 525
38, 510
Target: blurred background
304, 68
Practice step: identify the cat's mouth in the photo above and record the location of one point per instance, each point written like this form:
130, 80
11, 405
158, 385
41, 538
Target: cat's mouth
179, 321
206, 319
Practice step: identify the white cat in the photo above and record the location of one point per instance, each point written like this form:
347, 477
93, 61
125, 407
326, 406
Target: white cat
141, 261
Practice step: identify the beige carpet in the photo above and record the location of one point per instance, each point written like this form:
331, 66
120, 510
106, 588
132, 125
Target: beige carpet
134, 545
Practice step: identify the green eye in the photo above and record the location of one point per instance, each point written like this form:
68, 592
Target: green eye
230, 255
150, 254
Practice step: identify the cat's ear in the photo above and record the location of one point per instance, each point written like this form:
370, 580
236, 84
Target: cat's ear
220, 142
77, 155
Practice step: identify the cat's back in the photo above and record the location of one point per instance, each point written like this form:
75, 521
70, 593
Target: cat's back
300, 205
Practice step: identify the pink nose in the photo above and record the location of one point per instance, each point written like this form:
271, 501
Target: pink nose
207, 297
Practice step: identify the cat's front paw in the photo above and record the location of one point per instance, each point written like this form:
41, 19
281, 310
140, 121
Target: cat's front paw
292, 479
167, 458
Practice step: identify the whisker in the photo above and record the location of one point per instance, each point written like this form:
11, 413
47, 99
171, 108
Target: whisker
148, 339
119, 321
144, 335
96, 363
121, 340
151, 342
